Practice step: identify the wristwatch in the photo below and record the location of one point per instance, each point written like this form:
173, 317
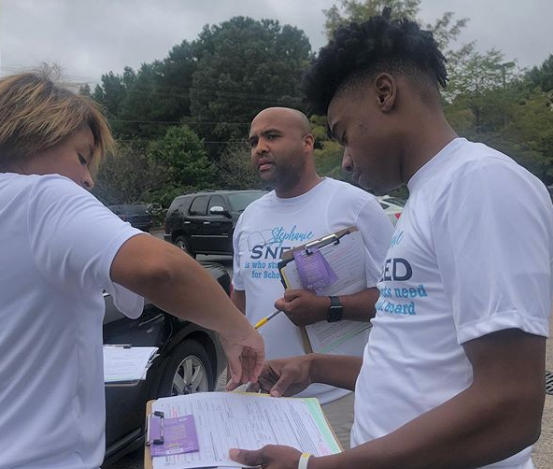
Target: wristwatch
335, 311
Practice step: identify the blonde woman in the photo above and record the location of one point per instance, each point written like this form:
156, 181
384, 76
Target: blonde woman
59, 248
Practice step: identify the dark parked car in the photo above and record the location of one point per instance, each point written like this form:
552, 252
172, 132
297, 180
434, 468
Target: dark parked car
203, 222
190, 360
137, 215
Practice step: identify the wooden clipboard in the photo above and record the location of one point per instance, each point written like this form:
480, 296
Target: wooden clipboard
147, 454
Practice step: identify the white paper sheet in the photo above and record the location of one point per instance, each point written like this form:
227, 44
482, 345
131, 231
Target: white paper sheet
126, 364
347, 259
226, 420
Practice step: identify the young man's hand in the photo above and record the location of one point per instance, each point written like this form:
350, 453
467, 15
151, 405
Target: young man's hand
268, 457
284, 377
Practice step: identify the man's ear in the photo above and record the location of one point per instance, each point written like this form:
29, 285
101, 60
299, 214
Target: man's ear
309, 140
385, 87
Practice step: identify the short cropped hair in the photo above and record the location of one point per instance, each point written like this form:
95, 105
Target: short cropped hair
37, 114
358, 52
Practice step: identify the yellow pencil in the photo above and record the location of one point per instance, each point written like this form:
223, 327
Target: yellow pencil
267, 319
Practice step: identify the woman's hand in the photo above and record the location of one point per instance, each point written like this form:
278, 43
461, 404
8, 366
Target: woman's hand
245, 351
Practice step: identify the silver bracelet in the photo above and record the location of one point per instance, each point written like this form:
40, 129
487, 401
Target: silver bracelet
304, 459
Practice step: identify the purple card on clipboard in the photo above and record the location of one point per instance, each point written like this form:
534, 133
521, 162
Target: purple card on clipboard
178, 435
314, 270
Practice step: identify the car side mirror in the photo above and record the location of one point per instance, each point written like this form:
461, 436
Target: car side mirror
218, 210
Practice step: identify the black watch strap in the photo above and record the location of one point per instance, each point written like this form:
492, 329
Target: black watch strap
336, 310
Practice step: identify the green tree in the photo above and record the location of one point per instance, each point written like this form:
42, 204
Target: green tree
468, 70
235, 170
141, 113
159, 96
359, 11
446, 29
529, 132
113, 90
244, 66
328, 153
85, 90
542, 76
130, 176
181, 152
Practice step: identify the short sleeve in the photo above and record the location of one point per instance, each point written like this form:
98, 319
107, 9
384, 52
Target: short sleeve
74, 239
492, 232
377, 232
237, 280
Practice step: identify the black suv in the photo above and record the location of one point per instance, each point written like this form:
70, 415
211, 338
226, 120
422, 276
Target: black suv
203, 222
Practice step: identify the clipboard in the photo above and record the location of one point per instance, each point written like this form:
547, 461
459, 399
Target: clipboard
148, 461
125, 365
147, 453
288, 257
339, 248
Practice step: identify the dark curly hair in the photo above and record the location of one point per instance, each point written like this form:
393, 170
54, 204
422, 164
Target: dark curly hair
358, 52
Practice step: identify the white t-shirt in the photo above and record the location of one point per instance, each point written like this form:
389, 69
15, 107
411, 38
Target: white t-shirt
471, 255
271, 225
57, 244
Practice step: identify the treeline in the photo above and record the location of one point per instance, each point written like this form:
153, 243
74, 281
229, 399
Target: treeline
182, 121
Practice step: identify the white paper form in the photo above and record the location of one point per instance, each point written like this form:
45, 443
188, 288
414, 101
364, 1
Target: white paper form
126, 364
347, 260
226, 420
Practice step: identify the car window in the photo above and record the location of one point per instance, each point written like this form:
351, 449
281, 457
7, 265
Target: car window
199, 205
217, 201
240, 200
383, 205
183, 204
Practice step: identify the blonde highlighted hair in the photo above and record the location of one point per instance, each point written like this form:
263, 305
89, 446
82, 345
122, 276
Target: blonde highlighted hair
36, 114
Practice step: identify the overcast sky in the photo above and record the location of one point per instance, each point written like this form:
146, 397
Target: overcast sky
91, 37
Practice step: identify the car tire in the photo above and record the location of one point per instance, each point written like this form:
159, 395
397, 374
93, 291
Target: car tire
189, 371
181, 243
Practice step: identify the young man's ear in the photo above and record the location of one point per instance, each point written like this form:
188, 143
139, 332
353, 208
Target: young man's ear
385, 88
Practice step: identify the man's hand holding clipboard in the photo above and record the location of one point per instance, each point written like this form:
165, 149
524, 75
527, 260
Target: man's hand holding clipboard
344, 254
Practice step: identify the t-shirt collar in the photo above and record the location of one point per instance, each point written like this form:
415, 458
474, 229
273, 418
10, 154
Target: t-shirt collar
434, 162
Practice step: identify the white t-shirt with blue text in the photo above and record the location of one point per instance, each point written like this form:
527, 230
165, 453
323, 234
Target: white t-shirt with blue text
271, 225
57, 244
471, 254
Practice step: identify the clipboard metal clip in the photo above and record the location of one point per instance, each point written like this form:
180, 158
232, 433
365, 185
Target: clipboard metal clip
330, 239
155, 428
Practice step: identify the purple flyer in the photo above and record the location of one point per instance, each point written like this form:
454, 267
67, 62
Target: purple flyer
314, 270
179, 436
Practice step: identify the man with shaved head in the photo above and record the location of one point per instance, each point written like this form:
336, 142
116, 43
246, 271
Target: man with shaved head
303, 206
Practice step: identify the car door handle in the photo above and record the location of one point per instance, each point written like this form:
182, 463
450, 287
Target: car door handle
207, 223
151, 322
187, 223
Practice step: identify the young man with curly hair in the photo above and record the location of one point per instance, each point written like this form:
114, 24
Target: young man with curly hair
453, 372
